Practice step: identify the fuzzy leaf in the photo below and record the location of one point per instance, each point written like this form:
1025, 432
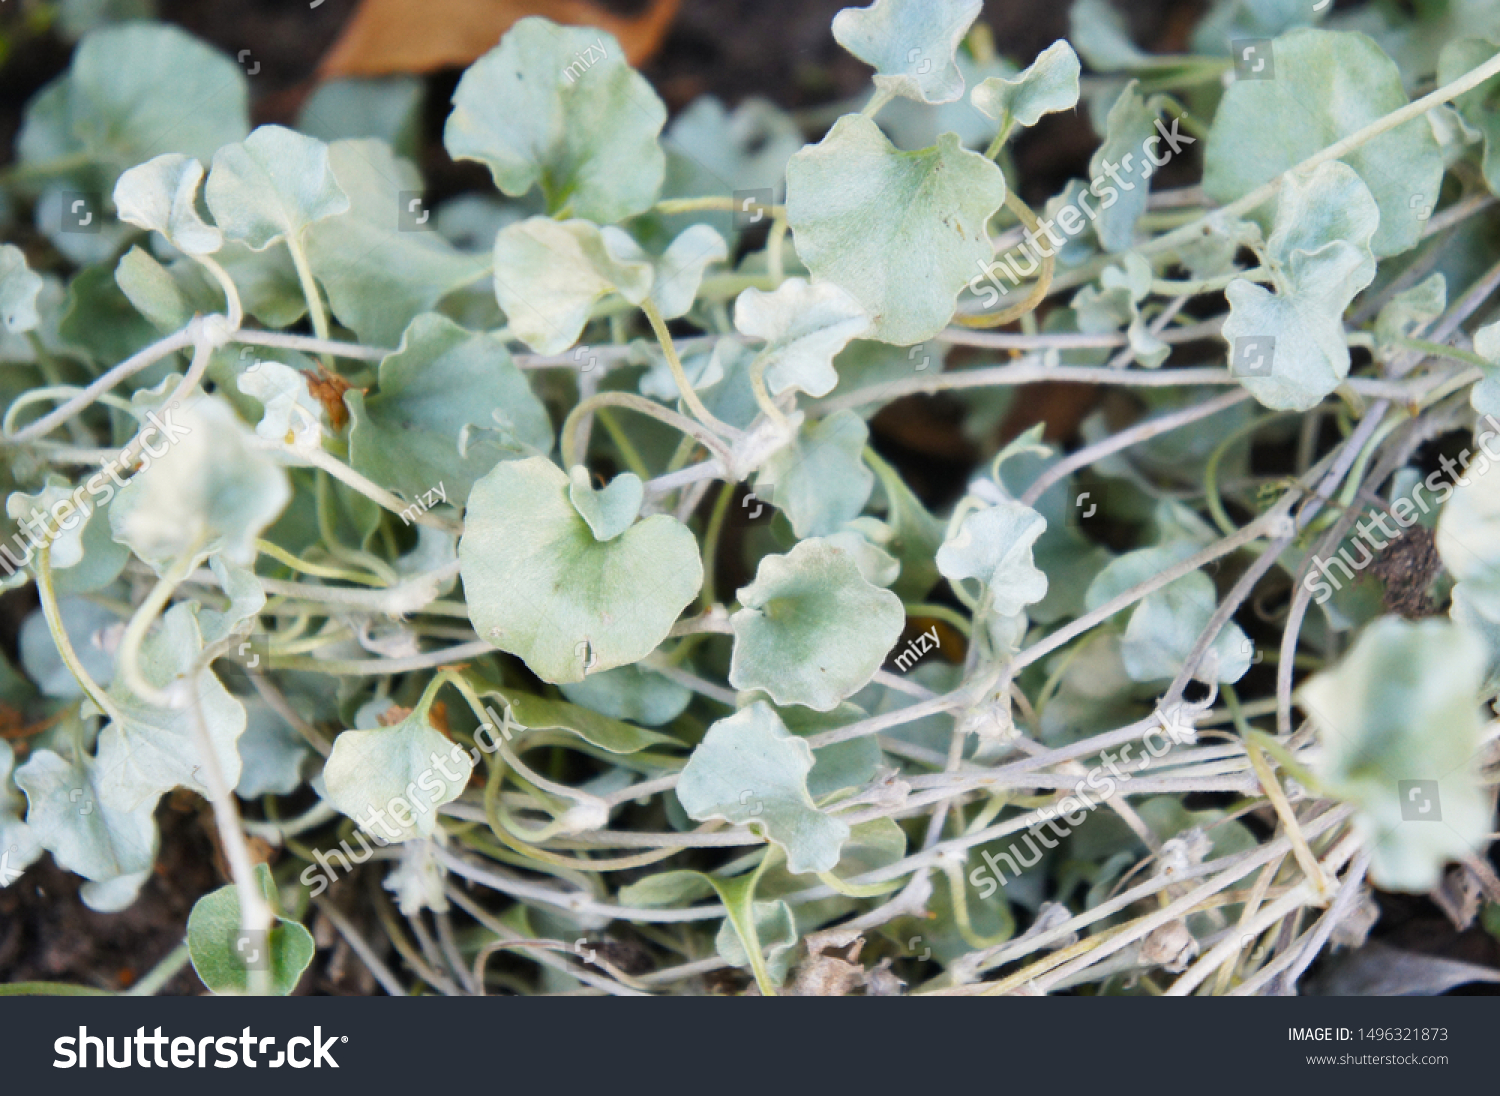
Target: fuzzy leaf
994, 545
902, 232
812, 630
1049, 85
1328, 84
805, 325
910, 44
1166, 624
609, 510
631, 693
677, 272
750, 769
541, 586
223, 956
161, 196
548, 274
404, 772
1131, 123
559, 107
1479, 107
1399, 725
272, 186
449, 405
820, 480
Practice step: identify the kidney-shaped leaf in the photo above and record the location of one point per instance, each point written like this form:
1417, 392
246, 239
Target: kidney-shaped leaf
903, 232
750, 769
559, 107
1048, 86
223, 955
994, 545
541, 585
271, 186
910, 44
805, 325
812, 630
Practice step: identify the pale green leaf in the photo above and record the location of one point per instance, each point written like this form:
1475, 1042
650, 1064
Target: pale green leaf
19, 847
161, 196
548, 274
19, 287
1399, 725
820, 480
902, 232
272, 186
910, 44
559, 107
994, 545
805, 324
449, 405
404, 772
1409, 311
224, 956
1049, 85
812, 630
1166, 625
1131, 122
631, 693
541, 586
775, 928
1328, 84
750, 769
1479, 107
609, 510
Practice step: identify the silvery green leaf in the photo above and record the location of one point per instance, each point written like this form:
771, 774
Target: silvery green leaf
370, 772
559, 107
84, 830
677, 272
775, 928
902, 232
631, 693
538, 713
19, 847
1131, 123
211, 492
161, 196
915, 536
911, 123
1049, 85
272, 753
862, 539
820, 480
152, 749
267, 282
812, 630
54, 514
548, 274
387, 109
291, 413
223, 956
704, 369
1477, 107
910, 44
1328, 85
1319, 257
379, 270
1410, 310
449, 405
156, 294
18, 290
94, 632
1116, 304
271, 186
134, 92
541, 586
842, 765
805, 324
1476, 606
246, 599
1229, 20
1468, 531
994, 545
1165, 626
1098, 31
609, 510
749, 769
1399, 727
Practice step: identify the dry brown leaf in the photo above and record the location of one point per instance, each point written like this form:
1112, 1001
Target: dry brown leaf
417, 36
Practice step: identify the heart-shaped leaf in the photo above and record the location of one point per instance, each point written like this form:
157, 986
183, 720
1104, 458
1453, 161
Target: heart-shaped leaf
820, 480
805, 325
994, 545
910, 44
223, 955
272, 186
609, 510
902, 232
541, 585
1049, 85
750, 769
588, 139
812, 630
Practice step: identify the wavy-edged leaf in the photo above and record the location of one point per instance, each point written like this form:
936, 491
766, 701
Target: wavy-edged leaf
161, 196
1048, 85
902, 232
910, 44
609, 510
994, 545
820, 480
805, 325
271, 186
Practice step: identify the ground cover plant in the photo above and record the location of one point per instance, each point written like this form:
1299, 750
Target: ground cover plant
516, 580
